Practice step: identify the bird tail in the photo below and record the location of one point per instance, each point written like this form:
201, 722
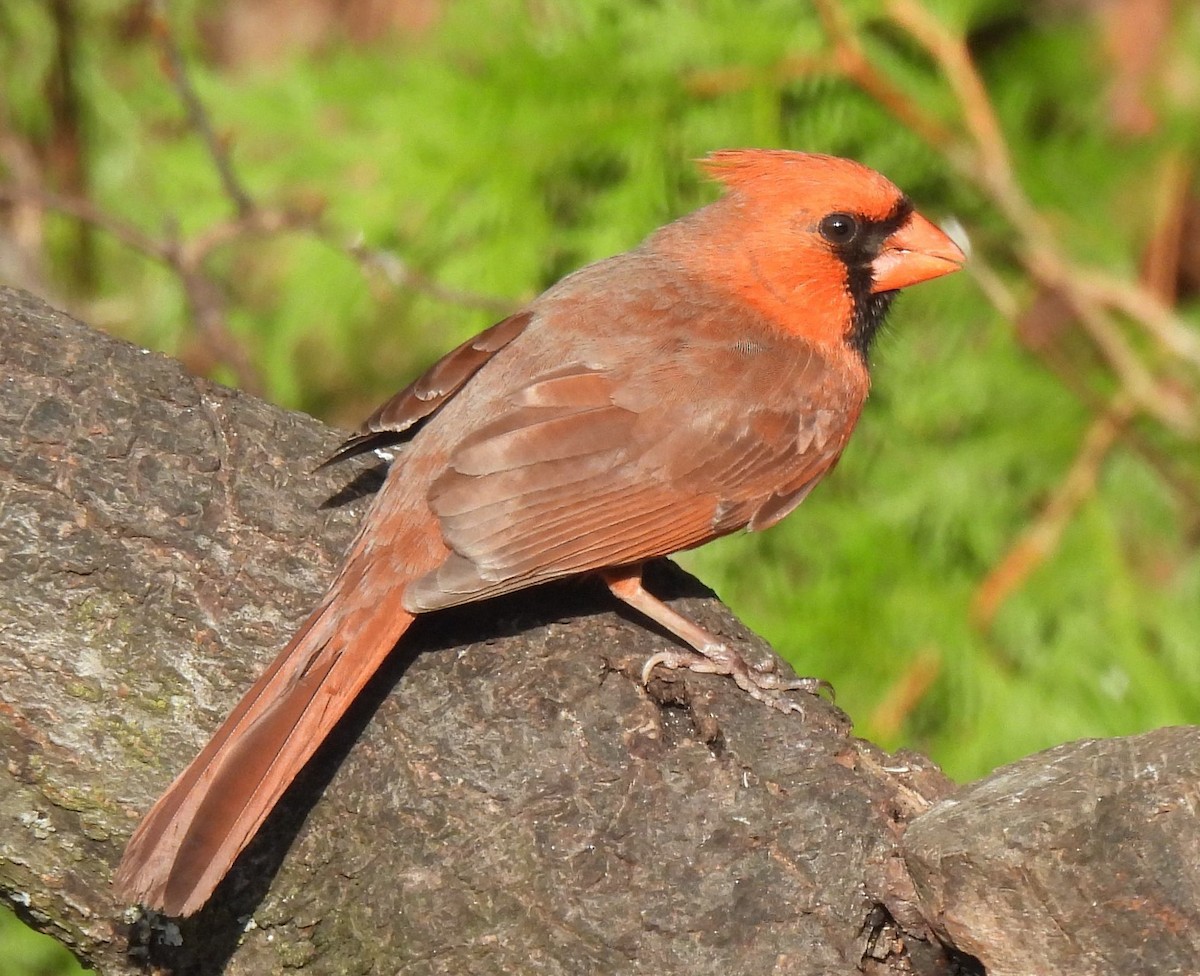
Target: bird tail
194, 833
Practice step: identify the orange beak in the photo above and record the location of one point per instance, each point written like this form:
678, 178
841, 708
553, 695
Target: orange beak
917, 252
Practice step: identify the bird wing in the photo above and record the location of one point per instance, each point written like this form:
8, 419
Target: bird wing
587, 468
397, 419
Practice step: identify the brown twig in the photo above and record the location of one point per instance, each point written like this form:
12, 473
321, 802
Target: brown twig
853, 62
258, 222
86, 211
187, 258
1041, 538
714, 82
984, 158
205, 298
1097, 300
905, 694
253, 219
402, 275
207, 307
1138, 301
1043, 257
997, 291
991, 164
1042, 329
197, 115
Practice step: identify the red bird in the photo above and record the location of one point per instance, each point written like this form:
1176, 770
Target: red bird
699, 384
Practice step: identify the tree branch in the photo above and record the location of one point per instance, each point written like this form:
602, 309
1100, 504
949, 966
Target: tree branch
506, 791
506, 797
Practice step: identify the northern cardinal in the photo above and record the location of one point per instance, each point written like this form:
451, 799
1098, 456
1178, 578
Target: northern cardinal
699, 384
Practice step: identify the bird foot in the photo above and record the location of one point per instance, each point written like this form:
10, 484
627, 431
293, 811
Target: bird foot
762, 683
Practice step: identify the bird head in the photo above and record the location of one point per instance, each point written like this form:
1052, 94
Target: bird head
818, 244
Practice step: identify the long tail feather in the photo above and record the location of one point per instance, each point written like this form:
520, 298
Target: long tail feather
194, 833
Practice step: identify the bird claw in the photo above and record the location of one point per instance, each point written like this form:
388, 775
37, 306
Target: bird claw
762, 683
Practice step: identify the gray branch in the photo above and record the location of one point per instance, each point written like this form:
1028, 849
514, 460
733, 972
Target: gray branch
506, 798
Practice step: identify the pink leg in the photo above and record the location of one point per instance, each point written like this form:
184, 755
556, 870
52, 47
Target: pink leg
710, 655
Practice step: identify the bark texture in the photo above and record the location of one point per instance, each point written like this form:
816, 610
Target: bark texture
1081, 859
506, 798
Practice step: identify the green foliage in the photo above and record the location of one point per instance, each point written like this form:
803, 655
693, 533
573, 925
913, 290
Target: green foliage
24, 952
515, 142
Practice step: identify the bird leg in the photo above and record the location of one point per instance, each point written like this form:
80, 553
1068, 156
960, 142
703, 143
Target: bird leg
709, 655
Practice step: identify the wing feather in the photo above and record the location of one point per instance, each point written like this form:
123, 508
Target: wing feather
521, 486
577, 473
398, 418
540, 435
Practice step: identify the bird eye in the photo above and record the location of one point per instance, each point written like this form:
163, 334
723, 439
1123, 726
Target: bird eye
838, 228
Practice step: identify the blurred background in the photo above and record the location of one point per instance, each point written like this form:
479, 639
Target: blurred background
313, 199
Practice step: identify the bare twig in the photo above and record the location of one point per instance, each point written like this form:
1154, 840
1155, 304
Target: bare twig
1043, 328
1041, 538
1099, 301
984, 158
713, 82
84, 210
402, 275
991, 164
259, 222
187, 258
905, 694
177, 71
994, 287
1140, 302
1043, 257
205, 298
855, 65
206, 302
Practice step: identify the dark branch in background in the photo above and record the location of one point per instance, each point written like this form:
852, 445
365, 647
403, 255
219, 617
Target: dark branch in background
187, 258
66, 144
176, 68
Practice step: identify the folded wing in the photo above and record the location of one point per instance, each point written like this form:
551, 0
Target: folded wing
578, 474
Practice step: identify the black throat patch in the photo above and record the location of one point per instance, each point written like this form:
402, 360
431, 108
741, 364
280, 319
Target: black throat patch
869, 307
